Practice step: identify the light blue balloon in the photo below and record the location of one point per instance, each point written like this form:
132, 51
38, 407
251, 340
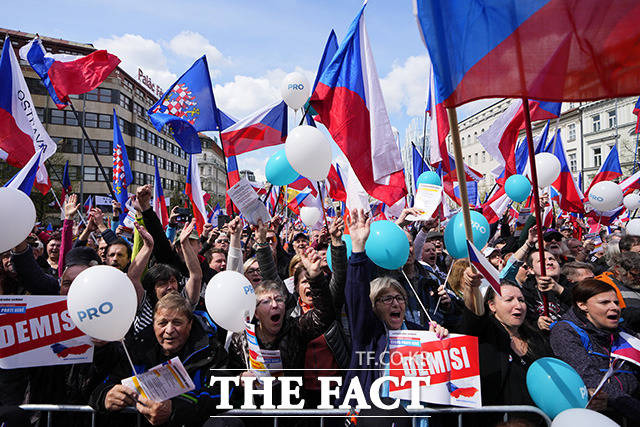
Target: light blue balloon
347, 241
517, 188
455, 238
387, 245
429, 177
555, 386
278, 171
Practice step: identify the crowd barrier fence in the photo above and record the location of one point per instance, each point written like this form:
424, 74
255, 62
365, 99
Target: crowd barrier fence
278, 413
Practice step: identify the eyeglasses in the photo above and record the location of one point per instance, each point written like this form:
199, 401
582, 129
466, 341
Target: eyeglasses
222, 241
267, 301
253, 271
388, 300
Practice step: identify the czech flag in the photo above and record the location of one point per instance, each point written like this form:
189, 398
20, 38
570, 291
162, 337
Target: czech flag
349, 101
337, 190
609, 170
484, 267
25, 178
584, 50
419, 166
439, 128
65, 75
66, 183
626, 347
264, 128
302, 183
21, 133
636, 111
233, 176
193, 190
159, 202
214, 215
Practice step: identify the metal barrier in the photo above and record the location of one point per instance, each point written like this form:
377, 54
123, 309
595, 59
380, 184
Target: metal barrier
279, 413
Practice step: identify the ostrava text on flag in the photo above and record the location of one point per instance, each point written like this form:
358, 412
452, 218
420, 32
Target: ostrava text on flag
482, 49
159, 203
65, 75
21, 133
194, 191
264, 128
349, 101
188, 107
122, 175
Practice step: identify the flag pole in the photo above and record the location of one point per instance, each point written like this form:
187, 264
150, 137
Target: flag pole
460, 173
93, 150
536, 195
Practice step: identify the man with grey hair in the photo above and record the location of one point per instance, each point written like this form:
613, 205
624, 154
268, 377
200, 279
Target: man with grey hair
624, 276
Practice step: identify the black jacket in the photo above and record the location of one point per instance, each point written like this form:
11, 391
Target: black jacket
202, 357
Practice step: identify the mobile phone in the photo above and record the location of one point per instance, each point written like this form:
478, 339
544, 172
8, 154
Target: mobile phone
184, 215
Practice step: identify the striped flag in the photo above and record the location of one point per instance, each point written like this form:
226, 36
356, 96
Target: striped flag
484, 267
159, 203
194, 191
626, 347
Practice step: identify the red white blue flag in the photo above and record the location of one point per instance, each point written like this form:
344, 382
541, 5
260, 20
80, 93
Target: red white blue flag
264, 128
349, 101
159, 202
65, 75
484, 267
193, 190
609, 170
21, 133
626, 347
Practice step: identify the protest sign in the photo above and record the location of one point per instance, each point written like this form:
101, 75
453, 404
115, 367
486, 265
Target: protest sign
450, 367
36, 330
246, 200
428, 198
161, 382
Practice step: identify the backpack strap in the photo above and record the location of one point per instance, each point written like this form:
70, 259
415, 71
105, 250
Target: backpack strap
584, 337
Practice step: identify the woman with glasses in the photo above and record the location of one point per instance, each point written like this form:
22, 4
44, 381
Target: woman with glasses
285, 334
374, 308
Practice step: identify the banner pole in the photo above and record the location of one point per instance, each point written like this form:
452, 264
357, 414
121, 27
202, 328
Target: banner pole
93, 150
536, 195
462, 179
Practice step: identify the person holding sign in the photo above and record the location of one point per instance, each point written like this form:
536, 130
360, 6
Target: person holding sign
175, 332
507, 344
374, 308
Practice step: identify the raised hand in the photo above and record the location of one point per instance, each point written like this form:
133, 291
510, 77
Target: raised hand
336, 229
142, 201
359, 227
312, 262
71, 207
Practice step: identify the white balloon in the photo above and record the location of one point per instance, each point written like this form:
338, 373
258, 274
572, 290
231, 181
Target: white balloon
633, 227
310, 215
102, 302
309, 153
548, 169
583, 418
631, 201
230, 300
605, 196
295, 90
17, 217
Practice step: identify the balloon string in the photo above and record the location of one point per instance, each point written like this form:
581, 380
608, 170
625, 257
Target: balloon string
416, 294
128, 356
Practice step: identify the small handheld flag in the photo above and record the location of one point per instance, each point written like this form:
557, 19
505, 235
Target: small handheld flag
484, 267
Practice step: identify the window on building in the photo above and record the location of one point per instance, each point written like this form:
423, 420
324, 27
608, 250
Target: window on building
125, 102
90, 173
99, 94
150, 159
141, 132
36, 87
102, 147
484, 156
140, 155
68, 145
139, 110
161, 163
573, 161
597, 157
125, 127
572, 132
169, 165
95, 120
612, 118
139, 93
41, 116
138, 177
596, 122
128, 84
476, 158
61, 117
152, 138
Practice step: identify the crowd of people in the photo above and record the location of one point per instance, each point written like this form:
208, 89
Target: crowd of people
322, 318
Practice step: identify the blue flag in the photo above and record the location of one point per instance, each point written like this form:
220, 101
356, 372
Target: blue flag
188, 107
122, 175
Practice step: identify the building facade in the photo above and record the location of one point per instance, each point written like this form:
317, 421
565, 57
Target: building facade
213, 173
131, 99
588, 131
414, 136
249, 175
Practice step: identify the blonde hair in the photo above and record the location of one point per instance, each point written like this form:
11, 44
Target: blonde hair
248, 263
455, 276
293, 264
174, 301
381, 284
